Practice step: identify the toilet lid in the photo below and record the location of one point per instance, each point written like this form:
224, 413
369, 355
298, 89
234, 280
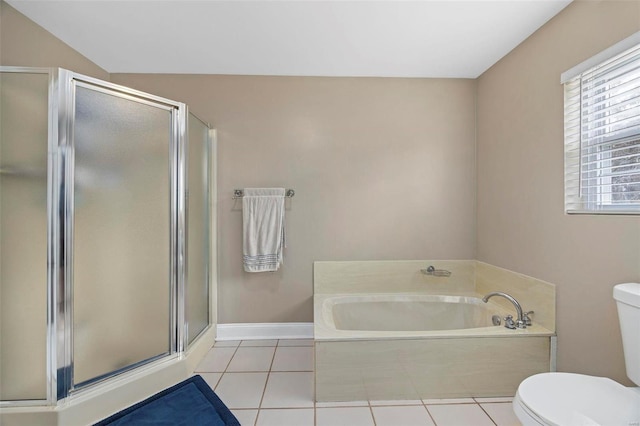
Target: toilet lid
574, 399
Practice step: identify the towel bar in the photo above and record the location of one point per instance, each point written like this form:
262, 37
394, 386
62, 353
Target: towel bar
239, 193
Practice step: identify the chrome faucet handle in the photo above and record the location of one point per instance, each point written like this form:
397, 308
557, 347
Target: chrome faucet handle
526, 317
509, 322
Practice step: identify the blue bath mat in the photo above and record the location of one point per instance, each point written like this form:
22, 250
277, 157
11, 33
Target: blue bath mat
191, 402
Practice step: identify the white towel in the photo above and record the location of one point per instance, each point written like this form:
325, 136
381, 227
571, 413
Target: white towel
262, 228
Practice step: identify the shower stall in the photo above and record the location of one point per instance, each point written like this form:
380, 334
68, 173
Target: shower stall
105, 234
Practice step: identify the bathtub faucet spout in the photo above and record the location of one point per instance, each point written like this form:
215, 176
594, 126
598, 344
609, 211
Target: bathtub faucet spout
521, 322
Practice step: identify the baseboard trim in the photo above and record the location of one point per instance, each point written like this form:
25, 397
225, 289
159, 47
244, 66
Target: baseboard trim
269, 330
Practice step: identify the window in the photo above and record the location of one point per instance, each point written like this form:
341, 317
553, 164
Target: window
602, 132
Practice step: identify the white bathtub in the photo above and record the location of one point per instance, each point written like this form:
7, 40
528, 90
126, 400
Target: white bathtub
402, 316
417, 346
392, 312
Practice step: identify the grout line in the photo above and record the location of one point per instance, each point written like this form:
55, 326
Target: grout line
295, 346
454, 403
372, 415
273, 357
313, 393
266, 371
226, 366
225, 372
230, 359
402, 405
492, 402
371, 411
485, 411
217, 381
251, 371
356, 406
292, 371
429, 414
315, 404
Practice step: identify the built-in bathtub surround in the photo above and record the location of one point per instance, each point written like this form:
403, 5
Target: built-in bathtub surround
475, 359
392, 276
534, 294
468, 277
426, 368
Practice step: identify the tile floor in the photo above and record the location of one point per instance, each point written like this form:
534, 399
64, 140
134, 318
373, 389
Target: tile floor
270, 383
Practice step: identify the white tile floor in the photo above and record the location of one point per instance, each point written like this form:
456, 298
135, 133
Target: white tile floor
270, 383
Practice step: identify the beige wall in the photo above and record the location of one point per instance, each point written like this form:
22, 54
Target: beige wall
521, 221
382, 168
24, 43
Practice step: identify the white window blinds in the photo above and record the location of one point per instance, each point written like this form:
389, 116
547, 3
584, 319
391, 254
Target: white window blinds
602, 137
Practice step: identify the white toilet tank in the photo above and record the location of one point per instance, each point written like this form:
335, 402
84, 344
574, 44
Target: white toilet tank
627, 298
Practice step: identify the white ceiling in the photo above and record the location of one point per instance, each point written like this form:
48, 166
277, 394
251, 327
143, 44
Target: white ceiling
447, 38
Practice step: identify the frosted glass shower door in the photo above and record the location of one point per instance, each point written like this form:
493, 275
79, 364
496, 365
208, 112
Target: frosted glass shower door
124, 148
24, 115
198, 236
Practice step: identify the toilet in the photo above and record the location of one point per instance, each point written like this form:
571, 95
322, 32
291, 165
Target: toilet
566, 399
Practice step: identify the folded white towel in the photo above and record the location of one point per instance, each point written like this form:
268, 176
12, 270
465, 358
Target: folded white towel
262, 228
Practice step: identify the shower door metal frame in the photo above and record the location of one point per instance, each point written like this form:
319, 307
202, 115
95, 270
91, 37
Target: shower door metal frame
67, 82
60, 210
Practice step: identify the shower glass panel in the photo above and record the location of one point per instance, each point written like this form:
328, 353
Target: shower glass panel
24, 115
122, 232
105, 235
197, 283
